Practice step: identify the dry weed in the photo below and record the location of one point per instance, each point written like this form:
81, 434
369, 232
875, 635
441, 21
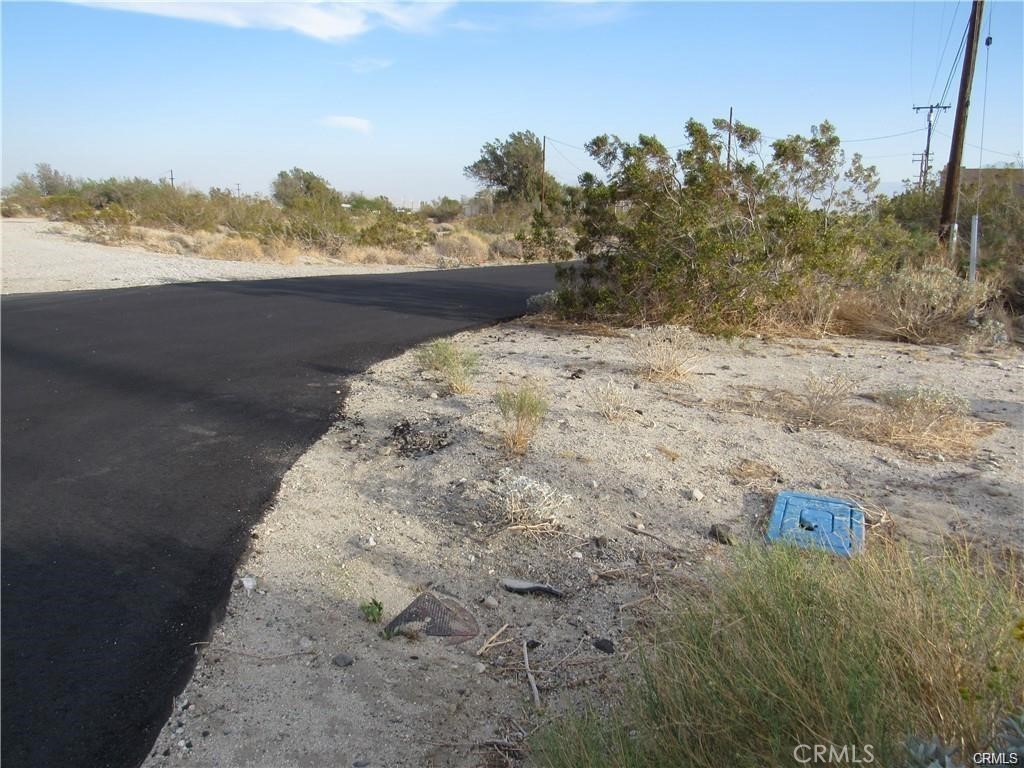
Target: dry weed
522, 409
612, 401
665, 353
235, 249
749, 471
456, 366
921, 419
527, 505
823, 398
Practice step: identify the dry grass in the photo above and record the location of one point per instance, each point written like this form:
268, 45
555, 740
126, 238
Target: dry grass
792, 647
455, 366
463, 248
751, 472
921, 419
235, 249
527, 505
924, 422
926, 305
611, 400
665, 354
522, 410
823, 398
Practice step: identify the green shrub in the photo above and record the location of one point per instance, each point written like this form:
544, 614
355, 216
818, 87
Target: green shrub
402, 233
792, 647
522, 409
455, 365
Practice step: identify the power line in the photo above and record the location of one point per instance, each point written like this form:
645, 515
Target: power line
562, 155
956, 60
978, 146
984, 109
942, 56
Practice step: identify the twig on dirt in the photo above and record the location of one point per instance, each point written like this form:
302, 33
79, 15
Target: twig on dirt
667, 452
656, 537
566, 657
529, 676
489, 643
638, 601
258, 657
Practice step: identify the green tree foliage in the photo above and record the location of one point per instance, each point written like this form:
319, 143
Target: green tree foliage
444, 209
716, 241
514, 169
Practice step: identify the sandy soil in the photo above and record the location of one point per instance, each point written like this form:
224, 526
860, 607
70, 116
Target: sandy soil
364, 514
38, 256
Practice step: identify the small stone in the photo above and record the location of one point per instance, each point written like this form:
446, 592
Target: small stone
343, 660
722, 534
577, 555
249, 584
640, 527
370, 542
695, 494
361, 764
600, 542
479, 667
604, 645
433, 395
490, 602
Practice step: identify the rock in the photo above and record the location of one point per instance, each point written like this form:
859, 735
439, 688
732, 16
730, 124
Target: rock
490, 602
434, 395
600, 542
604, 645
521, 587
640, 527
722, 534
479, 667
577, 555
249, 584
343, 660
694, 494
361, 764
369, 543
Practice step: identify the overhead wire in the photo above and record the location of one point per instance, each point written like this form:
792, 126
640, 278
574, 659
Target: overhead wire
945, 46
984, 110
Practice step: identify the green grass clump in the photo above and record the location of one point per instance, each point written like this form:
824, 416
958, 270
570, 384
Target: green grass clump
522, 409
792, 647
456, 366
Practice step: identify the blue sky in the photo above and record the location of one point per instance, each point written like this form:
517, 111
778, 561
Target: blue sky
396, 99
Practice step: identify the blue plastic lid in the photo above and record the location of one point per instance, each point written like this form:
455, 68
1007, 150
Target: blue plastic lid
835, 525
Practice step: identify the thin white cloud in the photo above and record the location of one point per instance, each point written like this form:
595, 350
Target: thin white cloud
365, 66
357, 124
327, 21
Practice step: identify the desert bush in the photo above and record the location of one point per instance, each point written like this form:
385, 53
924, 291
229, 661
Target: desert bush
442, 210
235, 249
111, 225
823, 397
524, 504
923, 419
67, 207
929, 304
522, 409
546, 242
406, 234
542, 302
695, 239
789, 647
664, 353
464, 247
505, 248
456, 366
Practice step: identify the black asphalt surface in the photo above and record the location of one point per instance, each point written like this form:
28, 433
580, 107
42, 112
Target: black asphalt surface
144, 431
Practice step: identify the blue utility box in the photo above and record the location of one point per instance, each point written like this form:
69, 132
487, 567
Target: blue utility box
822, 522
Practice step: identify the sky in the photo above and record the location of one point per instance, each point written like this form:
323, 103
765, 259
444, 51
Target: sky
396, 99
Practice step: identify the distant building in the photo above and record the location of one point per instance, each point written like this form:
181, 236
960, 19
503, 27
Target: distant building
970, 177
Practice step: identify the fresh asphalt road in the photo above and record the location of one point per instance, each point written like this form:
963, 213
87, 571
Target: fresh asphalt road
144, 431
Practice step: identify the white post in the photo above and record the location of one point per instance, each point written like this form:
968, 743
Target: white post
972, 274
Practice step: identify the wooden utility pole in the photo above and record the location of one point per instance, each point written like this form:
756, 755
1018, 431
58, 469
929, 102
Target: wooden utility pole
172, 178
543, 171
728, 149
956, 148
927, 156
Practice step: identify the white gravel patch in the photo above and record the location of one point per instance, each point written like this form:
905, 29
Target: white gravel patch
36, 257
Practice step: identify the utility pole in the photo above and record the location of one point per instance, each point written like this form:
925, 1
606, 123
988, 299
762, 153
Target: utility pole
927, 156
543, 171
172, 178
947, 223
238, 190
728, 149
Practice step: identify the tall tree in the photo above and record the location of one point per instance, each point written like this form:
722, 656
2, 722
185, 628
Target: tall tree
514, 169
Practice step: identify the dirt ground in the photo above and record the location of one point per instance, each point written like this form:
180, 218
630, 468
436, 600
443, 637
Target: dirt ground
38, 256
399, 497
